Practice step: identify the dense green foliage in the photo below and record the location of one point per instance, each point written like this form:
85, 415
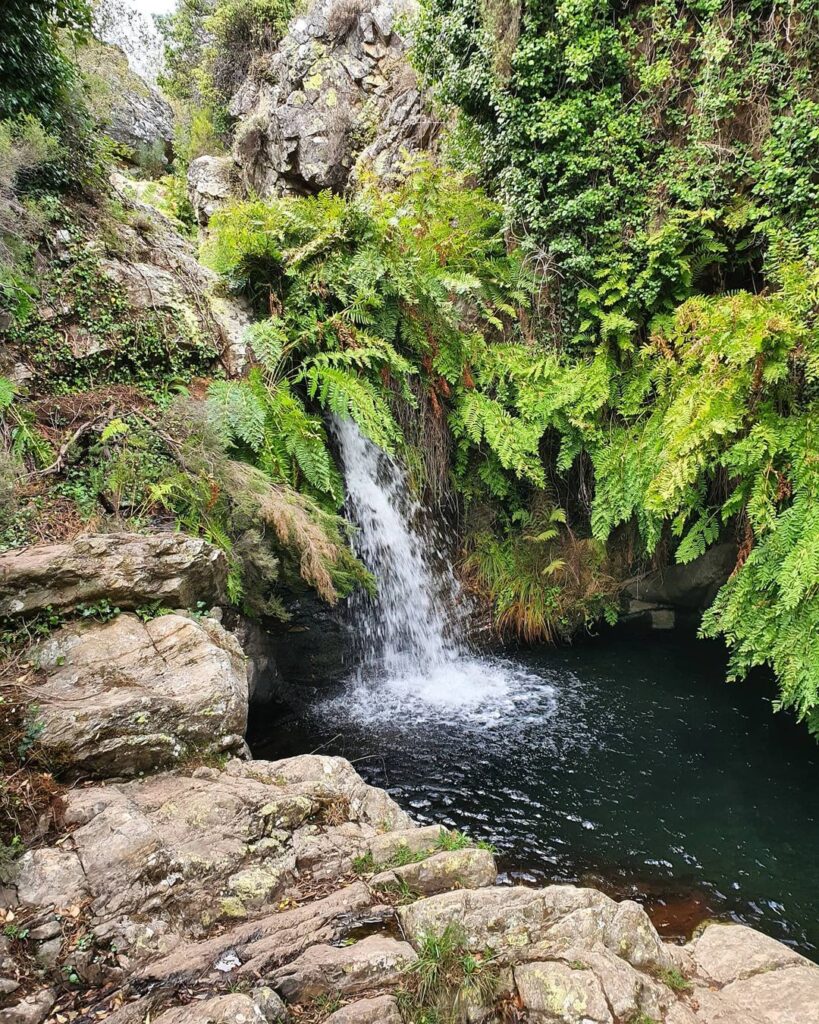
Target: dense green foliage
658, 164
34, 71
366, 294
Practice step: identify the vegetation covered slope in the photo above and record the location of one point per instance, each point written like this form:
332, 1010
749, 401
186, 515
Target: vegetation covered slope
606, 354
658, 166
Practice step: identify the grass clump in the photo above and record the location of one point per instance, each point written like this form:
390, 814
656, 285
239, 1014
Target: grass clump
447, 980
450, 840
675, 979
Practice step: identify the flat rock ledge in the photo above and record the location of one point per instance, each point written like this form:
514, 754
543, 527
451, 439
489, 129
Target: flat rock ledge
291, 890
128, 570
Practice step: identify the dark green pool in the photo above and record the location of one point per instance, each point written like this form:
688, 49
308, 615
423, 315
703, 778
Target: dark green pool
629, 763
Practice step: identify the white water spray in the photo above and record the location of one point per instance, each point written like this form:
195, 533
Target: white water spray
411, 658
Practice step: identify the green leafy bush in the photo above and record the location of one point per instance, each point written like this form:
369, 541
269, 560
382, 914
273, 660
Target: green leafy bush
35, 73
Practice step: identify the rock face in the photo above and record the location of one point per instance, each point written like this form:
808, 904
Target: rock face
239, 884
211, 180
681, 588
127, 696
134, 114
126, 569
178, 283
338, 91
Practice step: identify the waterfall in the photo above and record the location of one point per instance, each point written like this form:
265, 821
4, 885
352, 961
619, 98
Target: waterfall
412, 661
410, 625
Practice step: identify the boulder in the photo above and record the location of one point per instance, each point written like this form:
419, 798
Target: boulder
127, 570
162, 860
692, 586
450, 869
374, 963
725, 953
50, 878
33, 1009
554, 991
577, 977
197, 297
521, 924
126, 696
211, 182
379, 1010
337, 90
759, 978
235, 1008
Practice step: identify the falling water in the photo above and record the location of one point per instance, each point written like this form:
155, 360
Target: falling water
410, 650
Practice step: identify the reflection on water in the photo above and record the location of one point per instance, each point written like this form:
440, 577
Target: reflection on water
628, 764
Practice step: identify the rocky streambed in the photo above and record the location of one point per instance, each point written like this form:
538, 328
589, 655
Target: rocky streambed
181, 881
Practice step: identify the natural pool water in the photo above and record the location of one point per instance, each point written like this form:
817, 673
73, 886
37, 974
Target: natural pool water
627, 763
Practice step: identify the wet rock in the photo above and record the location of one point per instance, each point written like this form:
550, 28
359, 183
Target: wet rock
521, 924
371, 964
380, 1010
692, 586
126, 569
453, 869
127, 696
211, 182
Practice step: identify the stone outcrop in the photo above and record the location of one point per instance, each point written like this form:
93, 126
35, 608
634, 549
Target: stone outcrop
132, 112
128, 570
211, 181
162, 272
661, 595
261, 884
337, 92
125, 696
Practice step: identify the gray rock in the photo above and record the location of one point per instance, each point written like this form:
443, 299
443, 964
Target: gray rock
133, 113
50, 877
759, 978
266, 943
197, 297
48, 953
32, 1010
451, 869
337, 92
126, 569
373, 963
235, 1008
730, 952
523, 924
555, 992
692, 586
380, 1010
211, 181
125, 696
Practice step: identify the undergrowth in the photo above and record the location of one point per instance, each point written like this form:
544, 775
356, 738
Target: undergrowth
446, 980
